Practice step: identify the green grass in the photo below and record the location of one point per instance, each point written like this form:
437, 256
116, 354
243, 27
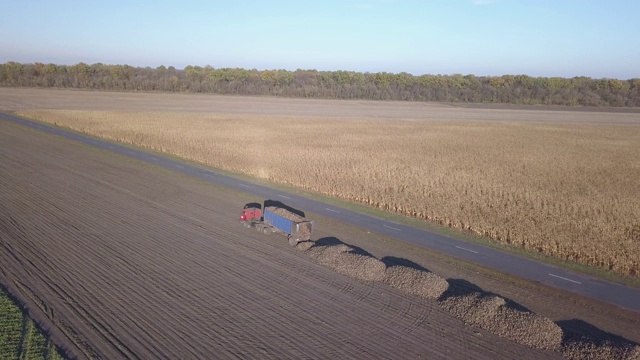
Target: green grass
10, 328
35, 344
20, 338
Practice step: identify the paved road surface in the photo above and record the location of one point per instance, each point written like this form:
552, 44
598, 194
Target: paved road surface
620, 295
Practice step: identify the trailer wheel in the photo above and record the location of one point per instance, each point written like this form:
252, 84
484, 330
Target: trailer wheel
258, 228
266, 231
293, 241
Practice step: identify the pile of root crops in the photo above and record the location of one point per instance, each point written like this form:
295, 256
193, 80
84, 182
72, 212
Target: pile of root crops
487, 311
285, 213
304, 230
564, 190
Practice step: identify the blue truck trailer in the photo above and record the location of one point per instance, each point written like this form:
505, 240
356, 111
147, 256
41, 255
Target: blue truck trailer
277, 219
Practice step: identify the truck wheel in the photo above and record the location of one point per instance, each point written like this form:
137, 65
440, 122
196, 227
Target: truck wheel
258, 228
293, 241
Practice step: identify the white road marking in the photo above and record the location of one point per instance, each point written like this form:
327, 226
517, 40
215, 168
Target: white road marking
286, 197
335, 211
130, 153
180, 166
245, 185
564, 278
391, 227
469, 250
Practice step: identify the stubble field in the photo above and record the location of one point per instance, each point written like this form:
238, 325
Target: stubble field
561, 183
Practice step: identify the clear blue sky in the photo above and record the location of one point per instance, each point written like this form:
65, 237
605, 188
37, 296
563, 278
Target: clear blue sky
595, 38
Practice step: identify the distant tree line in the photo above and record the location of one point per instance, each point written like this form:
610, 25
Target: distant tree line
510, 89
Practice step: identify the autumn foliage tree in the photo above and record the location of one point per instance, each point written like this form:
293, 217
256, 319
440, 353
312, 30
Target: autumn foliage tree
507, 89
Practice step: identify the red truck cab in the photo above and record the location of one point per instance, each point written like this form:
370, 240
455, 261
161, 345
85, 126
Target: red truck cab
251, 212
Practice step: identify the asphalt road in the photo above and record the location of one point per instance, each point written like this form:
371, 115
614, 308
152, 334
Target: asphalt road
585, 285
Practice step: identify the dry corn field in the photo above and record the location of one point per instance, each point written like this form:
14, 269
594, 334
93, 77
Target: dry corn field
567, 190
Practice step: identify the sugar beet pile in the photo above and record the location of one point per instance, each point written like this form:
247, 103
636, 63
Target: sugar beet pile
471, 305
304, 230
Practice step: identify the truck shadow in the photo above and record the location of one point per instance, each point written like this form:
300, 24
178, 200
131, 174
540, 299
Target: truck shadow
461, 287
579, 331
333, 241
253, 205
390, 261
276, 203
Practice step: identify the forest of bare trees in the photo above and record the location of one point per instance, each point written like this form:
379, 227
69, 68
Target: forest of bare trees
509, 89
